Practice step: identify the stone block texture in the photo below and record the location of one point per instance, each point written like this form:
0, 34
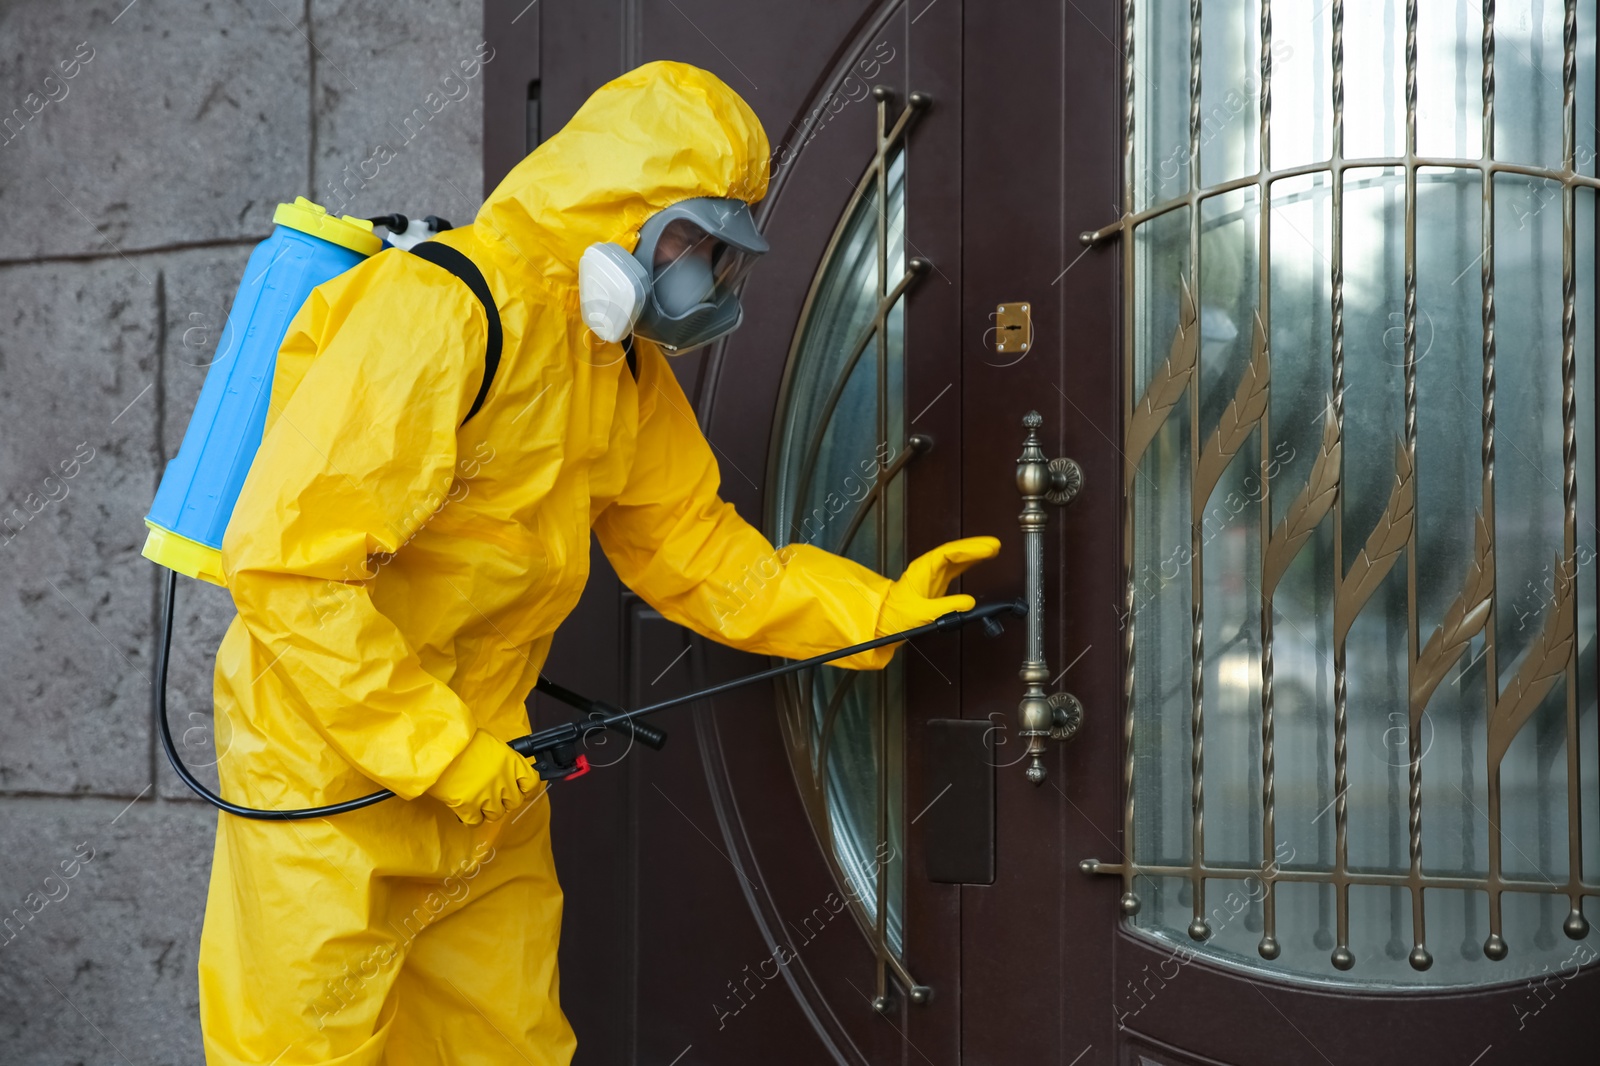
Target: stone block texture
184, 121
394, 120
79, 406
100, 909
143, 147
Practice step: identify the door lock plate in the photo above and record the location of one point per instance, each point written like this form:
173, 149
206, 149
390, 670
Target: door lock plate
1013, 327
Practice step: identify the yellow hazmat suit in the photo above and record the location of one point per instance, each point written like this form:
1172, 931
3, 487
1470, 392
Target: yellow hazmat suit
398, 578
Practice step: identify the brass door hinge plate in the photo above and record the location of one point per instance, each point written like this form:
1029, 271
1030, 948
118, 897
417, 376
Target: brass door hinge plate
1013, 327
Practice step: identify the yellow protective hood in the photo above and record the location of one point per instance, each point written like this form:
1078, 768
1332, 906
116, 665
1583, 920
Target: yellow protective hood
657, 135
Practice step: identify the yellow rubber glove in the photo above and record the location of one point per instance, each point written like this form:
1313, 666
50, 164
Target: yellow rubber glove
485, 781
918, 597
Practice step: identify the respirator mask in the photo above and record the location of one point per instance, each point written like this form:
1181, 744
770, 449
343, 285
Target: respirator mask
680, 286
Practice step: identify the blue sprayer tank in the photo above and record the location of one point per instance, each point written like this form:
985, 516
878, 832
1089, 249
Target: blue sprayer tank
201, 484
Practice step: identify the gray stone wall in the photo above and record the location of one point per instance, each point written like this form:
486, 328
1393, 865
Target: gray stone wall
143, 147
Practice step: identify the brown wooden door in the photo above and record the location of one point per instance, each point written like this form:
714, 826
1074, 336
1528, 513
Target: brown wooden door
815, 873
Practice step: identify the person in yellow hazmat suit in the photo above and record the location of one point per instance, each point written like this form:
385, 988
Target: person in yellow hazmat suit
399, 573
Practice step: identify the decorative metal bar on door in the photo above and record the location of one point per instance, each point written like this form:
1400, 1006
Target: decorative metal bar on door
837, 455
1334, 538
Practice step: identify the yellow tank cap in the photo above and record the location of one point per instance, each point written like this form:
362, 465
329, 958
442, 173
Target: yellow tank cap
188, 557
346, 230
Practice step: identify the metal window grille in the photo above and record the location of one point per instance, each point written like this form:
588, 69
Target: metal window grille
1172, 393
820, 414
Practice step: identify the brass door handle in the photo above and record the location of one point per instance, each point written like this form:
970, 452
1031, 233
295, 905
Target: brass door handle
1054, 481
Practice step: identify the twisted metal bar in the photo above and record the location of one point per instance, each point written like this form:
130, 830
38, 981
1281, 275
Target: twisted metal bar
1198, 927
881, 521
1420, 958
1130, 898
1268, 946
1486, 274
1494, 946
1576, 925
1342, 957
1194, 97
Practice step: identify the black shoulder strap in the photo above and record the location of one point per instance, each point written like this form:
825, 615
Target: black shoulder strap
442, 255
633, 358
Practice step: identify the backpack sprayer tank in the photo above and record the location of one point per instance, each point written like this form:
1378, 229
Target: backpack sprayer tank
201, 484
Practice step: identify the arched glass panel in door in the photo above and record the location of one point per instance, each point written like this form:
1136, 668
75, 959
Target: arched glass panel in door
1360, 537
837, 455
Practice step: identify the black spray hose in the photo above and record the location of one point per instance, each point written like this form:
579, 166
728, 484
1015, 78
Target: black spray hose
540, 744
194, 783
